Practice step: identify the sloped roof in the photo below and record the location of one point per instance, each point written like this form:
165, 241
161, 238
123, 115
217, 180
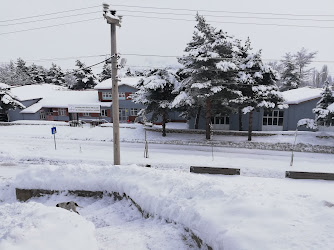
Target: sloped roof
130, 81
31, 92
62, 99
296, 96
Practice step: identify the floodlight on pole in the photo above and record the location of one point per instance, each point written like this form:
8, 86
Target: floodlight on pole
114, 21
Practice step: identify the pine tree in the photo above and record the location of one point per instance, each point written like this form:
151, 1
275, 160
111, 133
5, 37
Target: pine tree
323, 116
55, 75
106, 72
290, 77
210, 70
37, 74
7, 101
22, 74
85, 78
156, 92
257, 87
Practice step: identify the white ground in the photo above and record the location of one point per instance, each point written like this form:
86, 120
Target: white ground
257, 210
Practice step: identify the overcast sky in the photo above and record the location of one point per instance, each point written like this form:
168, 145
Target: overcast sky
158, 36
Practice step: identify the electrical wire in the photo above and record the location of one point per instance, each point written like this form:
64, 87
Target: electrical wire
221, 11
48, 14
248, 23
46, 19
45, 27
242, 17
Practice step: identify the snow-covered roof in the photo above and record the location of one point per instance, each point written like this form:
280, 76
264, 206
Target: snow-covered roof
31, 92
296, 96
62, 99
130, 81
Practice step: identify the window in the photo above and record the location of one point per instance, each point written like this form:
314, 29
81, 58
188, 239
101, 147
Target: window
273, 118
61, 112
104, 112
49, 112
85, 114
42, 115
133, 112
123, 115
121, 95
107, 95
220, 120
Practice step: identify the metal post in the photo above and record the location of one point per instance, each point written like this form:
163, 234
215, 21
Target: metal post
115, 104
54, 138
113, 21
146, 147
293, 148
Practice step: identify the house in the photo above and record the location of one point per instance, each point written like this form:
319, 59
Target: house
55, 103
301, 101
128, 110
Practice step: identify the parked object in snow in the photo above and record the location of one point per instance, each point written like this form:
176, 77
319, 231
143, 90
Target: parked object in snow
71, 205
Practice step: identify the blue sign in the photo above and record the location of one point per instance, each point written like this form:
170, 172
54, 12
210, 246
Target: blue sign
53, 130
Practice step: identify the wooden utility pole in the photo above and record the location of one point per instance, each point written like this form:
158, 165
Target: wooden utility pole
114, 21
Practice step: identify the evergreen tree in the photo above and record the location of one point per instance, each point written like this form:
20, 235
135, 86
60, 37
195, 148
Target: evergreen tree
55, 75
210, 69
156, 92
323, 116
22, 74
85, 78
106, 72
7, 101
37, 74
8, 74
257, 87
290, 77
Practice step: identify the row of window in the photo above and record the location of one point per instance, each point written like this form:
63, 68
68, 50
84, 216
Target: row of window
108, 95
270, 118
104, 112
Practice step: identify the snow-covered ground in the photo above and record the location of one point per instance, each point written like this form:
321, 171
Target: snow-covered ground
258, 210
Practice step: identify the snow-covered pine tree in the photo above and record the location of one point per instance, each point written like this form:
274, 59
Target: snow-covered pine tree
7, 101
106, 72
8, 74
210, 68
37, 74
290, 77
85, 78
257, 87
323, 116
55, 75
156, 92
22, 73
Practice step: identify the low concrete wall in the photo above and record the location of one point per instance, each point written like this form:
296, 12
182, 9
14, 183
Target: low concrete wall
26, 194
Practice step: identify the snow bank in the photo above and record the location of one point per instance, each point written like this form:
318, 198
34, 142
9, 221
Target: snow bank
33, 226
225, 211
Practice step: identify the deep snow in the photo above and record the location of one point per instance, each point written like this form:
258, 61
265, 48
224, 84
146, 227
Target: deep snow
250, 211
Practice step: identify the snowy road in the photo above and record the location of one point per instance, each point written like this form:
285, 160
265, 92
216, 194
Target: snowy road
252, 162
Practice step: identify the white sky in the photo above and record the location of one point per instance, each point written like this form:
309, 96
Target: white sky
157, 36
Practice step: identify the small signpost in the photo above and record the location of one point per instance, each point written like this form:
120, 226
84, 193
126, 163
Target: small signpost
146, 147
54, 131
293, 148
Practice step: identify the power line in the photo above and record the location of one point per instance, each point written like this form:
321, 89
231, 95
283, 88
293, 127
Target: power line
48, 14
222, 11
218, 58
243, 17
45, 27
52, 18
248, 23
